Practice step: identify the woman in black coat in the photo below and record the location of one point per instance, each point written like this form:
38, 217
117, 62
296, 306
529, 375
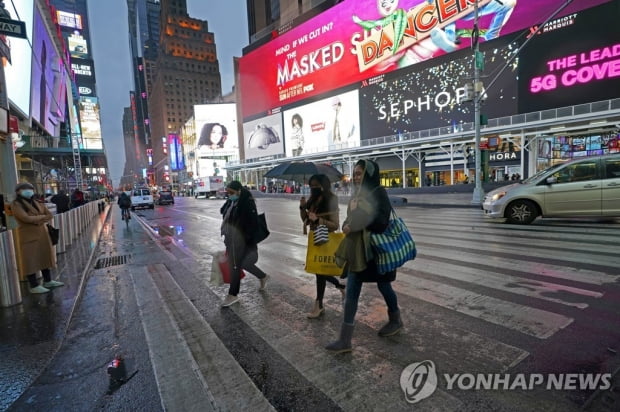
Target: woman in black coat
240, 223
369, 211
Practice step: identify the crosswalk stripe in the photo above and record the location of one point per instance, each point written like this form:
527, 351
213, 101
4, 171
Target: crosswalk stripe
558, 272
531, 321
565, 295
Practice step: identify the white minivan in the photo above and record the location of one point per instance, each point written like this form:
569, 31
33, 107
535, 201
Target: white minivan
142, 198
588, 186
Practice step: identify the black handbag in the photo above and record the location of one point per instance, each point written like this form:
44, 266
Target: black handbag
54, 234
261, 230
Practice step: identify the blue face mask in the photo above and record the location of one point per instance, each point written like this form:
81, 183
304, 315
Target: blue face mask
233, 197
27, 193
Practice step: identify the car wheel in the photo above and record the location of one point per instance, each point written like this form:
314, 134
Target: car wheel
152, 206
521, 212
133, 209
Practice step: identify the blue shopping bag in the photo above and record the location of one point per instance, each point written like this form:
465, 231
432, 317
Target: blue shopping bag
394, 246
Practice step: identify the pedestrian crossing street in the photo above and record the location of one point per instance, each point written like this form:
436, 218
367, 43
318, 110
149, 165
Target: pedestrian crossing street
481, 297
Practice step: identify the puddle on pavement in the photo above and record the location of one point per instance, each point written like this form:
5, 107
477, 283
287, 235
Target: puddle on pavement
163, 230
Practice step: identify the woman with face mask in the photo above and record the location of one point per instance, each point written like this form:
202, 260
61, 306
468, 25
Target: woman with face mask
321, 209
35, 251
239, 225
369, 211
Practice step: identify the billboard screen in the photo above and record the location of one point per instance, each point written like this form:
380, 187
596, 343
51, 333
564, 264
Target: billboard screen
357, 40
175, 146
18, 71
577, 61
91, 123
48, 80
263, 137
216, 126
206, 166
432, 94
331, 123
67, 19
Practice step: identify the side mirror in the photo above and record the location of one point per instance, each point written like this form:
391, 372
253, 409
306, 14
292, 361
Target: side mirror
551, 180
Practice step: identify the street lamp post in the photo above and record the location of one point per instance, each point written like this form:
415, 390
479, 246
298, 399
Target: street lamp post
478, 191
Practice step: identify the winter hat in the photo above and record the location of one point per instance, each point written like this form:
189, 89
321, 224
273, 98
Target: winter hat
235, 185
22, 186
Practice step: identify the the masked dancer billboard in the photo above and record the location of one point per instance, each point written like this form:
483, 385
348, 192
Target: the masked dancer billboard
359, 39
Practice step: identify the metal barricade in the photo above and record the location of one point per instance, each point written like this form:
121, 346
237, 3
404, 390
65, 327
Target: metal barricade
10, 294
58, 223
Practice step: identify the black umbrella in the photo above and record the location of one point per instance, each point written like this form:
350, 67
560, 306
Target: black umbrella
302, 170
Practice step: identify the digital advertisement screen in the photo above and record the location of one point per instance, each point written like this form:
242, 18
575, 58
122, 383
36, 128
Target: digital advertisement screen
432, 94
77, 44
263, 137
175, 146
328, 124
18, 71
67, 19
48, 80
576, 61
206, 166
357, 40
91, 123
216, 127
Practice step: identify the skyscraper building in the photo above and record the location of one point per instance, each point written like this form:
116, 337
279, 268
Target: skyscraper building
143, 24
187, 73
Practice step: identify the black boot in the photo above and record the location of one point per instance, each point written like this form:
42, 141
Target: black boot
343, 344
393, 326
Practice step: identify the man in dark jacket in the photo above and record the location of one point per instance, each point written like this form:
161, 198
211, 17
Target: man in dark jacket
62, 201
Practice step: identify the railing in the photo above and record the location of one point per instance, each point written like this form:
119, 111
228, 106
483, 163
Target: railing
71, 225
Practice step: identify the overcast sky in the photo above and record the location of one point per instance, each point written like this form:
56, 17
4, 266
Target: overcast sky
110, 43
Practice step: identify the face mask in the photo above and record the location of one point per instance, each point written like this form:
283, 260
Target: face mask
233, 197
316, 191
27, 193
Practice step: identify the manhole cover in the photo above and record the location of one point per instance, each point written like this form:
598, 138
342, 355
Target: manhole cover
111, 261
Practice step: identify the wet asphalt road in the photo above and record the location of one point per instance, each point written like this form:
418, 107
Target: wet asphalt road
481, 297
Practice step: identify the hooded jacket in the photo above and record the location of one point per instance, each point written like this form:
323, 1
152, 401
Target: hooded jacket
372, 215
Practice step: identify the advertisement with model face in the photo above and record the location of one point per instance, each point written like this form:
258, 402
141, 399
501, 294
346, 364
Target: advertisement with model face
263, 137
574, 60
432, 94
216, 127
327, 124
48, 80
357, 40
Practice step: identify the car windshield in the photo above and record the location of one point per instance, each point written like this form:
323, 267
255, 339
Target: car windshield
543, 172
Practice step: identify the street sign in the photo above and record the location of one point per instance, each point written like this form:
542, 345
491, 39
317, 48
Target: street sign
479, 60
13, 28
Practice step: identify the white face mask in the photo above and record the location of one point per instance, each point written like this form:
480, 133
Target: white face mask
27, 193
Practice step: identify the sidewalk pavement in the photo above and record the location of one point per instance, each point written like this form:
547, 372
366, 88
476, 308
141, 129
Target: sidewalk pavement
33, 331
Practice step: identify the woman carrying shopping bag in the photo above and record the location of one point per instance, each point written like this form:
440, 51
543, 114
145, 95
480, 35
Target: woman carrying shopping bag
368, 212
239, 226
320, 212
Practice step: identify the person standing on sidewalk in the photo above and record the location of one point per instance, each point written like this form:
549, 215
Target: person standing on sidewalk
36, 252
321, 209
369, 211
240, 223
